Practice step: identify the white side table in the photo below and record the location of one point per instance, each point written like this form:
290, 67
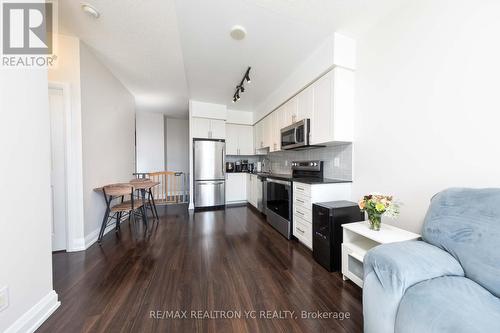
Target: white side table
358, 238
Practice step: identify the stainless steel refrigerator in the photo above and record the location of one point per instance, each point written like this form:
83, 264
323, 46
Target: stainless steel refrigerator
209, 173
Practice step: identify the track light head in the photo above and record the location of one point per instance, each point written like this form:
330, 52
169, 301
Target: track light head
240, 87
247, 75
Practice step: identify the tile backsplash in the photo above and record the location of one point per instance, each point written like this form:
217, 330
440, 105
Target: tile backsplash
250, 159
280, 161
337, 160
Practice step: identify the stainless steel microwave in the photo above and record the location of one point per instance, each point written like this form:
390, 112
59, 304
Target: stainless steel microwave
296, 135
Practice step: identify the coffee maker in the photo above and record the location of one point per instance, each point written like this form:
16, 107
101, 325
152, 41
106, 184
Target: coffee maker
229, 166
237, 166
244, 166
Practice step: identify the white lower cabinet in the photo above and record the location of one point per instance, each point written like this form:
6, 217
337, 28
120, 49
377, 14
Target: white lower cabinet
236, 188
243, 187
254, 190
304, 196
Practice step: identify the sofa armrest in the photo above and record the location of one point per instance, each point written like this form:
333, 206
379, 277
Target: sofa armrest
390, 269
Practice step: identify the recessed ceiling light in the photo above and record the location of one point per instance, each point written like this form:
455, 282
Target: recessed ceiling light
238, 32
90, 10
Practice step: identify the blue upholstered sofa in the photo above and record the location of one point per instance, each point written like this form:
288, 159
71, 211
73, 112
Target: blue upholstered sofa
450, 281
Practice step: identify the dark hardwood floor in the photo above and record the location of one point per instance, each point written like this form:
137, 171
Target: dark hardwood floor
210, 261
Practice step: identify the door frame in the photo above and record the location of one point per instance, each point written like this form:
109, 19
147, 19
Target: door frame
75, 239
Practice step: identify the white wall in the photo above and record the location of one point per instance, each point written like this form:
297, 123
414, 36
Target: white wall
67, 71
176, 145
25, 240
428, 103
150, 142
108, 119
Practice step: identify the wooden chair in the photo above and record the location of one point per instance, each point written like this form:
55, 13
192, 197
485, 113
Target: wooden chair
132, 207
141, 185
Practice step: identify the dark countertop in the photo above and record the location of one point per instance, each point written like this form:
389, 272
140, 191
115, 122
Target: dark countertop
310, 181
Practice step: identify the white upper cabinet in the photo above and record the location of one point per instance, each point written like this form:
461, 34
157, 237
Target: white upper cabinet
217, 129
258, 132
231, 139
343, 105
290, 112
245, 140
305, 103
267, 129
275, 126
239, 139
321, 120
201, 128
205, 128
328, 102
333, 107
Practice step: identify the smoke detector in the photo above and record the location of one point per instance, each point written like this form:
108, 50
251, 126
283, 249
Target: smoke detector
238, 32
90, 10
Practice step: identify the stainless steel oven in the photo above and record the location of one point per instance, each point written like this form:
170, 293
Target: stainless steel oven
279, 205
296, 135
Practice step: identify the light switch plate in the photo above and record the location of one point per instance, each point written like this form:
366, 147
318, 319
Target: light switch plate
4, 298
336, 162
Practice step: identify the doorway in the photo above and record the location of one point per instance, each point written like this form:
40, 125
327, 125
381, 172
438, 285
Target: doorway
58, 168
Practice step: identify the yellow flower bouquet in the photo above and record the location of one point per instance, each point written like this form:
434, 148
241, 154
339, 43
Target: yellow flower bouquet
376, 205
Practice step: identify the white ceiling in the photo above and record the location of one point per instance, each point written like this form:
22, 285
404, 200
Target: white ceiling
167, 51
139, 43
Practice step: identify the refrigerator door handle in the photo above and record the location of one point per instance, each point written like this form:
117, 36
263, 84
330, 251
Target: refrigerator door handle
223, 161
218, 183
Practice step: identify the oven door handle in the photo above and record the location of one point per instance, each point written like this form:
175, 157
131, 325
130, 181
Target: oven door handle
277, 181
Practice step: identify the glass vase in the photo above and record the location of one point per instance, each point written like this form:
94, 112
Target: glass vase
375, 221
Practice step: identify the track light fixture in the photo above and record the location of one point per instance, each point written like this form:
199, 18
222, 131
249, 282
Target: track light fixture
240, 87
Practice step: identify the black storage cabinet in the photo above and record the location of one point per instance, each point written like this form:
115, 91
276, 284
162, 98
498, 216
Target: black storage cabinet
327, 231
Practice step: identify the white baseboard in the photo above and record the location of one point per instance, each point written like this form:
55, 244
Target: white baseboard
91, 238
34, 317
77, 245
230, 204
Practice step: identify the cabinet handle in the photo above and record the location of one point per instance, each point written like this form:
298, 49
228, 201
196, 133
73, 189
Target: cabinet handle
300, 188
300, 230
298, 211
301, 201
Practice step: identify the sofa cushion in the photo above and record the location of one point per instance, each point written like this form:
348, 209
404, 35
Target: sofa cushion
448, 304
466, 223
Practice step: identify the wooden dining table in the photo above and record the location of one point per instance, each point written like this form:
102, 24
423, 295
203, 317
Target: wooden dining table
145, 187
